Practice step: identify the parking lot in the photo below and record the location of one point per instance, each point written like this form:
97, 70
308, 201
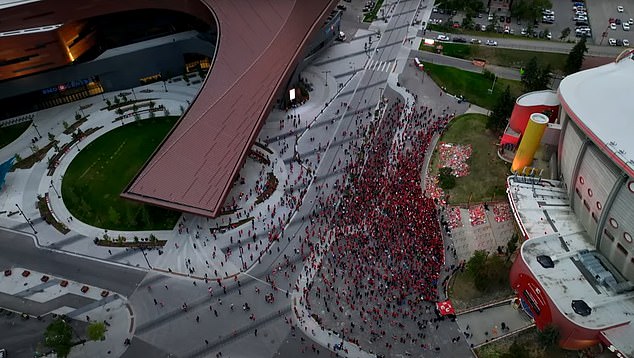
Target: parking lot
599, 13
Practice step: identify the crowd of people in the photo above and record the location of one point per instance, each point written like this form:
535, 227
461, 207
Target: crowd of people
387, 251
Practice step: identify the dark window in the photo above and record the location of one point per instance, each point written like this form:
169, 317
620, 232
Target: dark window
585, 203
608, 234
578, 192
622, 249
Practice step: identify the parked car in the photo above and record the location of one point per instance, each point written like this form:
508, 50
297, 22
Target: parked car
612, 26
476, 41
617, 21
626, 42
442, 37
619, 8
491, 43
460, 39
626, 26
612, 42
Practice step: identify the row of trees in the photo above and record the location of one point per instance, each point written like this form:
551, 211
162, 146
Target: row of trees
534, 77
59, 335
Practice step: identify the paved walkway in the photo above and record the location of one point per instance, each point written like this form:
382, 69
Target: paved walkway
34, 297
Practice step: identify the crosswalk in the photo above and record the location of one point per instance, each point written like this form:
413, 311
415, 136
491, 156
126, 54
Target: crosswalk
381, 66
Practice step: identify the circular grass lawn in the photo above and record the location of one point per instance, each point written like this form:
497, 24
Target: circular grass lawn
101, 171
10, 133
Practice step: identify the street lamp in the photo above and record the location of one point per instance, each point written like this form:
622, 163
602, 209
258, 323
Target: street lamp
36, 130
326, 73
145, 257
55, 190
25, 218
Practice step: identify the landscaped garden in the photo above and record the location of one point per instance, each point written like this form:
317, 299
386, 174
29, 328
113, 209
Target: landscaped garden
10, 133
101, 171
486, 175
474, 87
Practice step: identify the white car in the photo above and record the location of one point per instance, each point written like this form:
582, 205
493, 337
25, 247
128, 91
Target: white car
626, 26
491, 43
612, 26
612, 42
442, 38
619, 8
626, 42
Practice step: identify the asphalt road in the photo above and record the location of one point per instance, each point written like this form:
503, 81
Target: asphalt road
18, 250
232, 331
534, 45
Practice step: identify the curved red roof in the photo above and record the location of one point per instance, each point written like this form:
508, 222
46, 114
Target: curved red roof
260, 42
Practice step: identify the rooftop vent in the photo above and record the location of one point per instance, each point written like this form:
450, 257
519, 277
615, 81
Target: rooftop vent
581, 308
545, 261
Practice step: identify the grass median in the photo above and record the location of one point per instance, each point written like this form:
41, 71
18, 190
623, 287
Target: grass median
473, 86
487, 172
505, 57
100, 172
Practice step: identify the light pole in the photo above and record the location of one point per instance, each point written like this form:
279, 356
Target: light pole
493, 85
145, 257
27, 219
326, 73
55, 190
36, 130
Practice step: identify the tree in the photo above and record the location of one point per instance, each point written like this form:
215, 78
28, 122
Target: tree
530, 10
476, 269
96, 331
511, 246
535, 77
548, 336
575, 57
446, 179
564, 33
501, 111
58, 337
516, 350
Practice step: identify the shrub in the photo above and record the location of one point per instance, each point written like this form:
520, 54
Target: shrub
446, 179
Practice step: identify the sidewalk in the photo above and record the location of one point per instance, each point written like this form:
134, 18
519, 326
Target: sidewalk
38, 298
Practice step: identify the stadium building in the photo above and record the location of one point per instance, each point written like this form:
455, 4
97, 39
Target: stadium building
573, 200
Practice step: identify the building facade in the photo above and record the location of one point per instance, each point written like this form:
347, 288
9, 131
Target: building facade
575, 269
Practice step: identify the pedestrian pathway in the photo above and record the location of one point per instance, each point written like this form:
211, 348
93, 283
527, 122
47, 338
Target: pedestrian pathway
33, 293
492, 322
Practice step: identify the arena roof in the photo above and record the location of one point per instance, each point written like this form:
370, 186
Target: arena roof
544, 215
260, 42
599, 100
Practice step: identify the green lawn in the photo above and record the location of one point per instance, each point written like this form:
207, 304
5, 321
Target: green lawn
372, 15
505, 57
99, 173
495, 34
11, 133
473, 86
488, 172
528, 340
